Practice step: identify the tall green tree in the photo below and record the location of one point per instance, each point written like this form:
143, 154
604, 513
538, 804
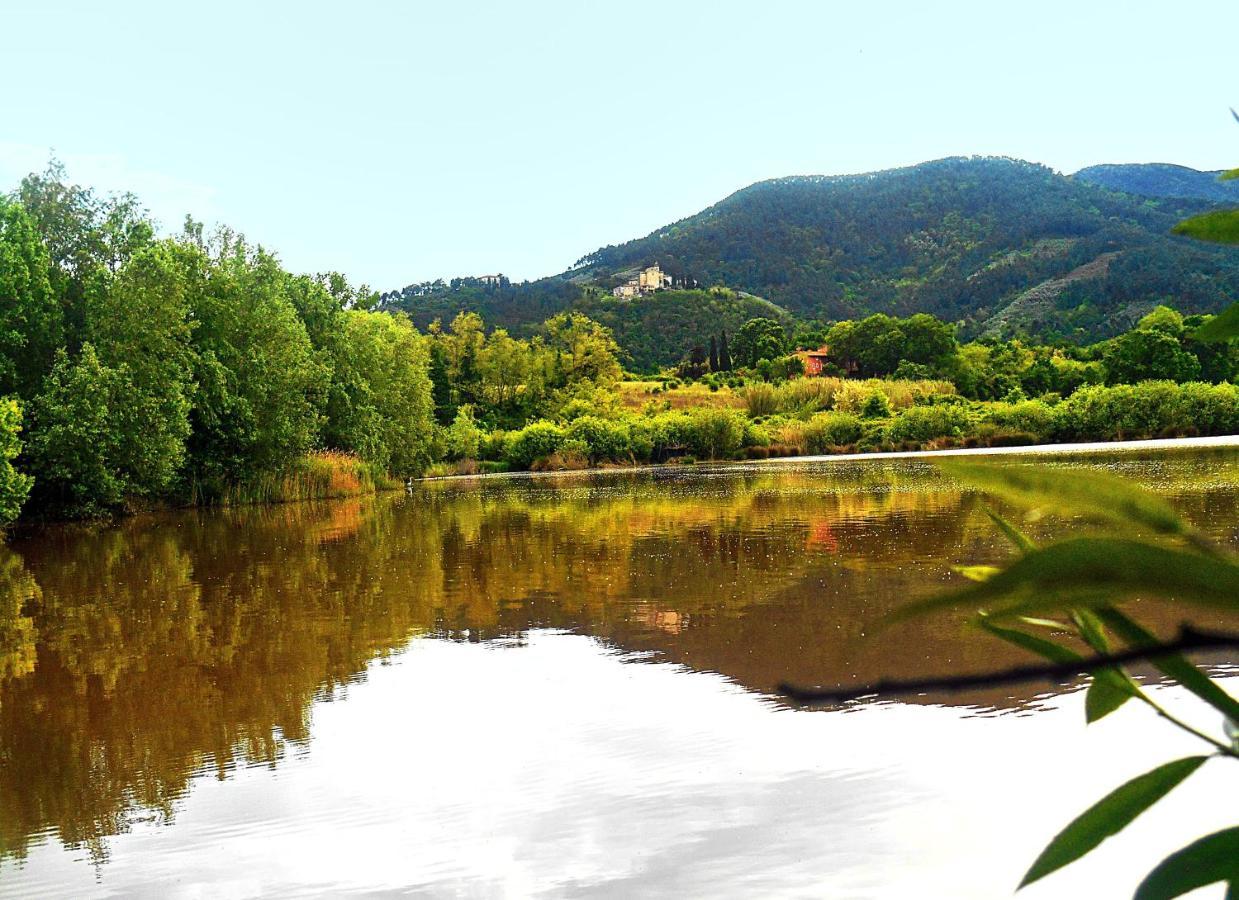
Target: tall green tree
88, 238
383, 371
31, 325
143, 321
91, 444
586, 351
440, 380
876, 345
759, 339
1149, 353
260, 384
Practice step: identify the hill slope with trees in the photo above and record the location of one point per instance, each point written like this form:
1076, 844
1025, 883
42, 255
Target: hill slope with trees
1161, 180
961, 238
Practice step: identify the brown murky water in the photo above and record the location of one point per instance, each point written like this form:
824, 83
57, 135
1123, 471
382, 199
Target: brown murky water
555, 685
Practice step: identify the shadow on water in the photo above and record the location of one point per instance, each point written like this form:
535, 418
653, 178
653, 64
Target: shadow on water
135, 657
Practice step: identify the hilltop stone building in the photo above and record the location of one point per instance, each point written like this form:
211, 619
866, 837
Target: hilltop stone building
647, 281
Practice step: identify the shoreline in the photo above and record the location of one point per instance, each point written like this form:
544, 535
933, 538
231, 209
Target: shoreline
1185, 443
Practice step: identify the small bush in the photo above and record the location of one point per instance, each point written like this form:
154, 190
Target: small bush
755, 435
493, 447
1033, 417
532, 442
463, 436
565, 459
600, 439
714, 433
14, 486
828, 430
762, 400
877, 406
919, 424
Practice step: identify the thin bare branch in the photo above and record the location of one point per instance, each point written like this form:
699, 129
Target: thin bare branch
1189, 639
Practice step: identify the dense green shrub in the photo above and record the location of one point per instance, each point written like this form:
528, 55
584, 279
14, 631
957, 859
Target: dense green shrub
14, 486
919, 424
1148, 409
493, 447
1034, 417
876, 406
533, 442
714, 433
463, 437
761, 400
601, 439
96, 438
1211, 408
831, 429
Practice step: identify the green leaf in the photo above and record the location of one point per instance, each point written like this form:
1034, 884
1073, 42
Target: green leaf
1111, 686
1210, 859
1110, 815
1091, 629
1103, 697
1222, 327
1030, 642
1173, 666
977, 573
1044, 623
1220, 226
1021, 541
1096, 494
1090, 572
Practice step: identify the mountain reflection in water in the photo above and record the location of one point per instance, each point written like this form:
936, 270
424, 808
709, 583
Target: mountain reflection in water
135, 658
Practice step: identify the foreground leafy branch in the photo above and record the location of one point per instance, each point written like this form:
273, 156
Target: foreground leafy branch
1189, 639
1082, 582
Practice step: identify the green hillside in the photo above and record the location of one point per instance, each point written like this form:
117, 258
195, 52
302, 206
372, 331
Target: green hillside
960, 238
1002, 246
1161, 180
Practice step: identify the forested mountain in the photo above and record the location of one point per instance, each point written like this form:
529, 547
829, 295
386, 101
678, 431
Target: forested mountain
1002, 246
964, 239
654, 330
1161, 180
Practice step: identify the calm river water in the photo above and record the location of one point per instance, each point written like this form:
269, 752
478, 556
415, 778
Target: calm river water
562, 686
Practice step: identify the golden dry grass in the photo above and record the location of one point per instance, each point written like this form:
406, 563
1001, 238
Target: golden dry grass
634, 395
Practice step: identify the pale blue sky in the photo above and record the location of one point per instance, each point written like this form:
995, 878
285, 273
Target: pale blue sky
404, 141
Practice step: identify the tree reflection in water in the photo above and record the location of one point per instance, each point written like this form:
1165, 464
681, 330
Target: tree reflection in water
133, 658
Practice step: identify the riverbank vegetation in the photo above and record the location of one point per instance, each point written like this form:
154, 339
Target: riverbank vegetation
899, 384
139, 370
188, 369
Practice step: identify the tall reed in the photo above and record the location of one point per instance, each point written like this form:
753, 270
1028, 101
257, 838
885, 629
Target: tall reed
323, 475
806, 396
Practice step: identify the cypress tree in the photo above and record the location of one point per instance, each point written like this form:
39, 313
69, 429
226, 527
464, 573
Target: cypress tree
713, 354
440, 385
724, 355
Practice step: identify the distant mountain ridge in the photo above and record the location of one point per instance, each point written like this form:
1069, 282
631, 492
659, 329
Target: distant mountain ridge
1000, 245
1161, 180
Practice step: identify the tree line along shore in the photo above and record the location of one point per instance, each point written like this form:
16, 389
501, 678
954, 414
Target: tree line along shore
139, 370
